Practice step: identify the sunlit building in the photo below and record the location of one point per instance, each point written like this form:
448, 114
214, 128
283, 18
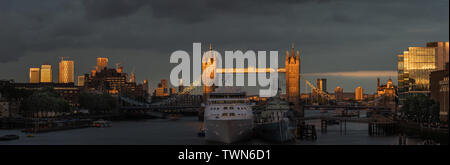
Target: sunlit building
416, 65
102, 63
80, 80
359, 96
162, 90
322, 84
46, 73
66, 71
112, 82
339, 93
292, 65
34, 75
386, 95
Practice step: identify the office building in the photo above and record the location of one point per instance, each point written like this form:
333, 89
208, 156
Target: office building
34, 75
102, 63
322, 84
80, 80
415, 66
359, 96
66, 71
46, 73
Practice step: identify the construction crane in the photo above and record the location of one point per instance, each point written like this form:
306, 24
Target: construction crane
318, 91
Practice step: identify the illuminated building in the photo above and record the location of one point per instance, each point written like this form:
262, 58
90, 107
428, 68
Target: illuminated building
386, 90
339, 93
66, 71
80, 80
181, 87
132, 78
292, 65
102, 63
416, 65
322, 84
114, 83
385, 95
173, 91
209, 61
359, 96
162, 90
34, 75
46, 73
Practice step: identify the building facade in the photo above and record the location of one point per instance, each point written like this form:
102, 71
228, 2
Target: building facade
415, 66
115, 83
386, 95
80, 80
34, 75
359, 96
439, 91
339, 93
102, 63
292, 65
66, 71
46, 73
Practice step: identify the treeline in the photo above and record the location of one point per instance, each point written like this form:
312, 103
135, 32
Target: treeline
420, 109
44, 100
97, 103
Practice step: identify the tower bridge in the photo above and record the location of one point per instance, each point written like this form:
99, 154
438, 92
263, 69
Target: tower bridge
291, 71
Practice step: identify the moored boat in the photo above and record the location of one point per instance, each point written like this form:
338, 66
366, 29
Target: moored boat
9, 137
273, 123
228, 116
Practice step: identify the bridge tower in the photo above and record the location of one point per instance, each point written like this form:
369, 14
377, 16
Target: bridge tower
292, 65
207, 62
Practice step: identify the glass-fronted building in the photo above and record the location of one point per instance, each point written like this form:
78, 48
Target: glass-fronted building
415, 67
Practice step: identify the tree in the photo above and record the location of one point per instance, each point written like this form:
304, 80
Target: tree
45, 100
97, 103
421, 108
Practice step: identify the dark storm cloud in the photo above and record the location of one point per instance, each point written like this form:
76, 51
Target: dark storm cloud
191, 11
107, 9
334, 36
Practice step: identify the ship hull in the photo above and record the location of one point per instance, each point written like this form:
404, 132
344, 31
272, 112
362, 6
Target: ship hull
228, 131
276, 131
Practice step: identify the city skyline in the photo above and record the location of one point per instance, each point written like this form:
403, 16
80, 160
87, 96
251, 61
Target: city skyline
102, 62
342, 40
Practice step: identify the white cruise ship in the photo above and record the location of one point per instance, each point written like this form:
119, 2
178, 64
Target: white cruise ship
228, 116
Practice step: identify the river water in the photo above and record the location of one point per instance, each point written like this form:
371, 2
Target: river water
184, 132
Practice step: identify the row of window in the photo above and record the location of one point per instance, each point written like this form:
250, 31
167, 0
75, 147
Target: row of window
229, 108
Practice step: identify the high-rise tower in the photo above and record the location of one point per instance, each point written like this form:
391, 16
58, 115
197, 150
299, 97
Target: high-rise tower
34, 75
102, 63
46, 73
66, 71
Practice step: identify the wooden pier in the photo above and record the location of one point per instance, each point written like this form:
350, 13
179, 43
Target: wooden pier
306, 131
382, 128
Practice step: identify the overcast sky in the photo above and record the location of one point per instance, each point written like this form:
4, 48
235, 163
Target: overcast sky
348, 37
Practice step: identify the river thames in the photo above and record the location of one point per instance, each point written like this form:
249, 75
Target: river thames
184, 132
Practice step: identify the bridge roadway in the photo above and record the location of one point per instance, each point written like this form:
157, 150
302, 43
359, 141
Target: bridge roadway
348, 119
346, 107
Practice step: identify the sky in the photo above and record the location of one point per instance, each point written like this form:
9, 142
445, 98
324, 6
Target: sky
349, 42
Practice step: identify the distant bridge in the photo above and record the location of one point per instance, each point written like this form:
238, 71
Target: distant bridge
345, 107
